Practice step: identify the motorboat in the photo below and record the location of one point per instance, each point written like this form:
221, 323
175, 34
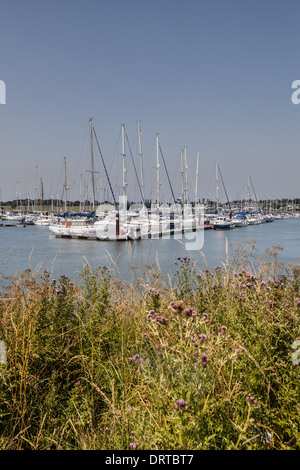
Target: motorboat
222, 223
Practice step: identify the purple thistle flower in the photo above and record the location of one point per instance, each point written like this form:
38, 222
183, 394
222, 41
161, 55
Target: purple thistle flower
251, 401
181, 404
202, 338
204, 360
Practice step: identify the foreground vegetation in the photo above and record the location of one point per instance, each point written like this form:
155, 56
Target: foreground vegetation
203, 360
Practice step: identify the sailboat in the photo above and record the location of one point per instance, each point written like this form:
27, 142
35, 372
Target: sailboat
221, 222
77, 226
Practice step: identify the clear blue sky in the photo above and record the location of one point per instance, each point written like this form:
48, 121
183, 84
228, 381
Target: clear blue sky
212, 75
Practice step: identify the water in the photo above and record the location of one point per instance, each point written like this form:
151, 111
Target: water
36, 247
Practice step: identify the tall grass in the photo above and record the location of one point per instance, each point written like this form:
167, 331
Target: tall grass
199, 361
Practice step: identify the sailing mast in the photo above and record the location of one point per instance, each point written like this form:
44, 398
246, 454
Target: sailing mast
35, 189
157, 170
92, 166
141, 161
123, 155
217, 187
182, 178
41, 195
51, 195
80, 190
196, 186
186, 182
66, 187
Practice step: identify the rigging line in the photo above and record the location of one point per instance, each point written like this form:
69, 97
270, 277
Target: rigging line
224, 187
167, 173
191, 179
105, 170
135, 168
254, 193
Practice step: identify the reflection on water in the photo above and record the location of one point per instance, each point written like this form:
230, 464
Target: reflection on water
36, 247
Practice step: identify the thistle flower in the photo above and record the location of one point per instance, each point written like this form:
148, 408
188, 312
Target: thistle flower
137, 359
204, 360
202, 338
162, 320
181, 404
205, 318
222, 330
251, 401
176, 307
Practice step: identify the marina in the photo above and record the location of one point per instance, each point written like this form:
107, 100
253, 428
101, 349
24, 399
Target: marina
37, 247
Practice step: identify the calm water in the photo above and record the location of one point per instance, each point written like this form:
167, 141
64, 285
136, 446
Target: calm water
37, 248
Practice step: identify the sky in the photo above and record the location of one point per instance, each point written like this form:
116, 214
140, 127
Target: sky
211, 76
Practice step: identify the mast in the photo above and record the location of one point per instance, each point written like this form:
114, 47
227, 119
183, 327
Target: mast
157, 170
141, 161
28, 197
92, 166
52, 183
41, 194
65, 183
80, 190
248, 192
186, 172
196, 186
123, 155
217, 186
182, 178
35, 188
